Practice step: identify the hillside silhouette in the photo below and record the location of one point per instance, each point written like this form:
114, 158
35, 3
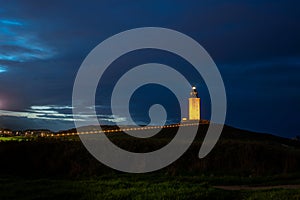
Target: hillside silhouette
238, 152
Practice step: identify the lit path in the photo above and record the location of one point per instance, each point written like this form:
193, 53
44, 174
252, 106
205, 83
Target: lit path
122, 129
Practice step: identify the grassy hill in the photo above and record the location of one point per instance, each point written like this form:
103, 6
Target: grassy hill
61, 168
238, 152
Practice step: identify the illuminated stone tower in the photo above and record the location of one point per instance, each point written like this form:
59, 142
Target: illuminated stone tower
194, 105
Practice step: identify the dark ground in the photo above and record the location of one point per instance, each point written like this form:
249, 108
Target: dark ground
63, 169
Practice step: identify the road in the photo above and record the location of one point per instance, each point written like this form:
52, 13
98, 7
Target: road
246, 187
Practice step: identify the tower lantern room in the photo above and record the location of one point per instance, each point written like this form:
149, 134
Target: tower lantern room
194, 93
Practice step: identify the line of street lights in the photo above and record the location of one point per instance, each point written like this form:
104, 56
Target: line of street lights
119, 130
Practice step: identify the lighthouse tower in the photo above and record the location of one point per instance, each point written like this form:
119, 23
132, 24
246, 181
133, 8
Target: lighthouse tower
194, 105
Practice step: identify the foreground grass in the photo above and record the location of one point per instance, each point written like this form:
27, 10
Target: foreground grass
103, 188
15, 138
126, 187
274, 194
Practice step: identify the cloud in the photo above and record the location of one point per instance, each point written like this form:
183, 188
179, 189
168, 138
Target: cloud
36, 115
55, 107
2, 69
55, 112
19, 44
11, 22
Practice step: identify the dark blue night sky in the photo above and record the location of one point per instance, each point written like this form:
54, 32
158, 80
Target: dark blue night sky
255, 45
